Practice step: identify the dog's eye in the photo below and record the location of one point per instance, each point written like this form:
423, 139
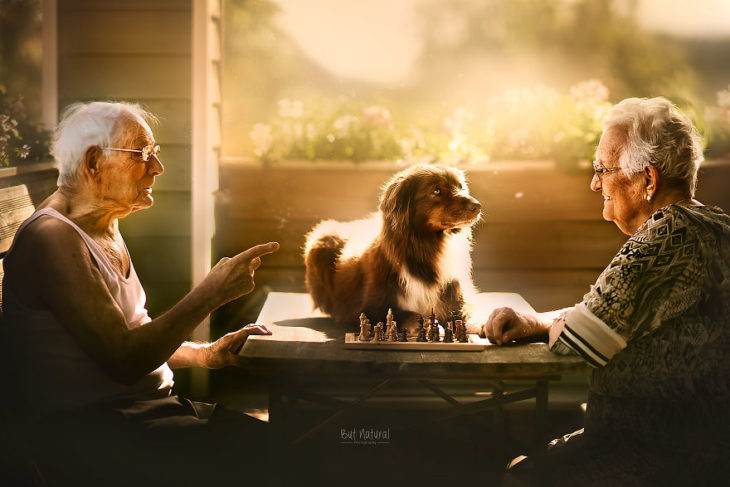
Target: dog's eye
437, 191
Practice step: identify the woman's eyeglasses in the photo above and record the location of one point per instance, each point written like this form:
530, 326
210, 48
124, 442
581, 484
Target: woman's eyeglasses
599, 170
146, 151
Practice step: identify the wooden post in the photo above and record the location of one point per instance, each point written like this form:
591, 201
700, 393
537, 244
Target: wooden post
49, 74
204, 162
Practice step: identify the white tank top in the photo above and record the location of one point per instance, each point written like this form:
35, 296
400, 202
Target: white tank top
52, 372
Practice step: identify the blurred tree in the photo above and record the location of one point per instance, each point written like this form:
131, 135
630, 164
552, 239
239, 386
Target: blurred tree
20, 51
473, 51
491, 46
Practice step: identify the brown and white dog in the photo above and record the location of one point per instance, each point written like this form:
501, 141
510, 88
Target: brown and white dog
413, 256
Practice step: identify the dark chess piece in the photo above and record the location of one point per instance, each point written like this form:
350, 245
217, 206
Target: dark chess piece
461, 332
455, 315
448, 333
434, 331
420, 331
403, 335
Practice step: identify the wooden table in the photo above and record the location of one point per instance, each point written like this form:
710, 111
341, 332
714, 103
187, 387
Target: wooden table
307, 347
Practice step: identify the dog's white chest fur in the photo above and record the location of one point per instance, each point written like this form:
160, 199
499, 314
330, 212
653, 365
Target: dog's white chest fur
453, 262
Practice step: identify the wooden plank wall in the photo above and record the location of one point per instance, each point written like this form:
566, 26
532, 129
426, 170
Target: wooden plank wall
140, 51
542, 235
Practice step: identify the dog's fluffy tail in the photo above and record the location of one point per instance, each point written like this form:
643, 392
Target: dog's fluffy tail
323, 249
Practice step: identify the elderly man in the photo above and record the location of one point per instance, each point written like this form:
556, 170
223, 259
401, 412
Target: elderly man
92, 371
656, 324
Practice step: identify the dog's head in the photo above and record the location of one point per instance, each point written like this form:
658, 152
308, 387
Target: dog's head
428, 199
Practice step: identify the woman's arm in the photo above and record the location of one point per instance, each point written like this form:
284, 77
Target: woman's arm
51, 268
220, 353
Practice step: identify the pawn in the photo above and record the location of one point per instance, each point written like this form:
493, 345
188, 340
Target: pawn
403, 335
461, 332
449, 333
421, 335
378, 332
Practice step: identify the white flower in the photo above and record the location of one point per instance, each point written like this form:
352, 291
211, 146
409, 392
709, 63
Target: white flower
345, 124
457, 143
290, 108
455, 122
723, 98
310, 131
377, 116
590, 90
261, 138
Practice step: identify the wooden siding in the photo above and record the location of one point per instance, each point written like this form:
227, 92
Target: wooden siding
542, 235
140, 51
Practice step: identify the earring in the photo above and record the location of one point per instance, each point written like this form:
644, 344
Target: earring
648, 197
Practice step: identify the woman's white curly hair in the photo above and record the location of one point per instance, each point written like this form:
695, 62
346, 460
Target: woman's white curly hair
85, 125
657, 133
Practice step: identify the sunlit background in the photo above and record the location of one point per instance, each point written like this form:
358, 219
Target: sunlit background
462, 81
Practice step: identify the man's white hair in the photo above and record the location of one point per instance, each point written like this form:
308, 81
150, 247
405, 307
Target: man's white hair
85, 125
657, 133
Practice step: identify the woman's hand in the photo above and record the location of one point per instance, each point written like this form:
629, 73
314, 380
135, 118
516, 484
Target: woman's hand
232, 277
224, 351
506, 325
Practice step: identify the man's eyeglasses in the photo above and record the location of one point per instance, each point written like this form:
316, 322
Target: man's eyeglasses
146, 151
599, 170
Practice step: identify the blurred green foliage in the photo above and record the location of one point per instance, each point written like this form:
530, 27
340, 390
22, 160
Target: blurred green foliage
22, 139
524, 79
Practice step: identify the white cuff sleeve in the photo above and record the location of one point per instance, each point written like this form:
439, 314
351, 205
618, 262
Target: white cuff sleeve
590, 337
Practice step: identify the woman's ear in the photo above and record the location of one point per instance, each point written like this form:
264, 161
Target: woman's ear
91, 159
651, 177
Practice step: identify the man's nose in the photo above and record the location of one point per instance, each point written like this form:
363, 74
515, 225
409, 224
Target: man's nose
596, 182
156, 167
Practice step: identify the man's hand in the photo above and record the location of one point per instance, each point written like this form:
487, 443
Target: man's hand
506, 325
224, 351
232, 277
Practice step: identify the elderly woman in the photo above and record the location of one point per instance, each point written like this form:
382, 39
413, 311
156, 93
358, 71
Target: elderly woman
91, 368
655, 326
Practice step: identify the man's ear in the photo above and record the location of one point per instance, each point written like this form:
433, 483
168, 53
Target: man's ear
91, 159
651, 177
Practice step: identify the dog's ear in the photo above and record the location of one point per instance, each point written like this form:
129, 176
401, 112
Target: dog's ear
395, 204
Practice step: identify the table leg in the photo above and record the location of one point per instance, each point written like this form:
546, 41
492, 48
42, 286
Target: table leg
540, 435
277, 441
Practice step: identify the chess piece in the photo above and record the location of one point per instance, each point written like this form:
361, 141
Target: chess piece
393, 332
449, 333
378, 332
420, 331
364, 328
433, 334
461, 332
455, 316
403, 335
389, 317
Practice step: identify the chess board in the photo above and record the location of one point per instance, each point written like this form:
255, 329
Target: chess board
475, 344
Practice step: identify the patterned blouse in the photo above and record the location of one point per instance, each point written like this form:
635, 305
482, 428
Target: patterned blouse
656, 328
